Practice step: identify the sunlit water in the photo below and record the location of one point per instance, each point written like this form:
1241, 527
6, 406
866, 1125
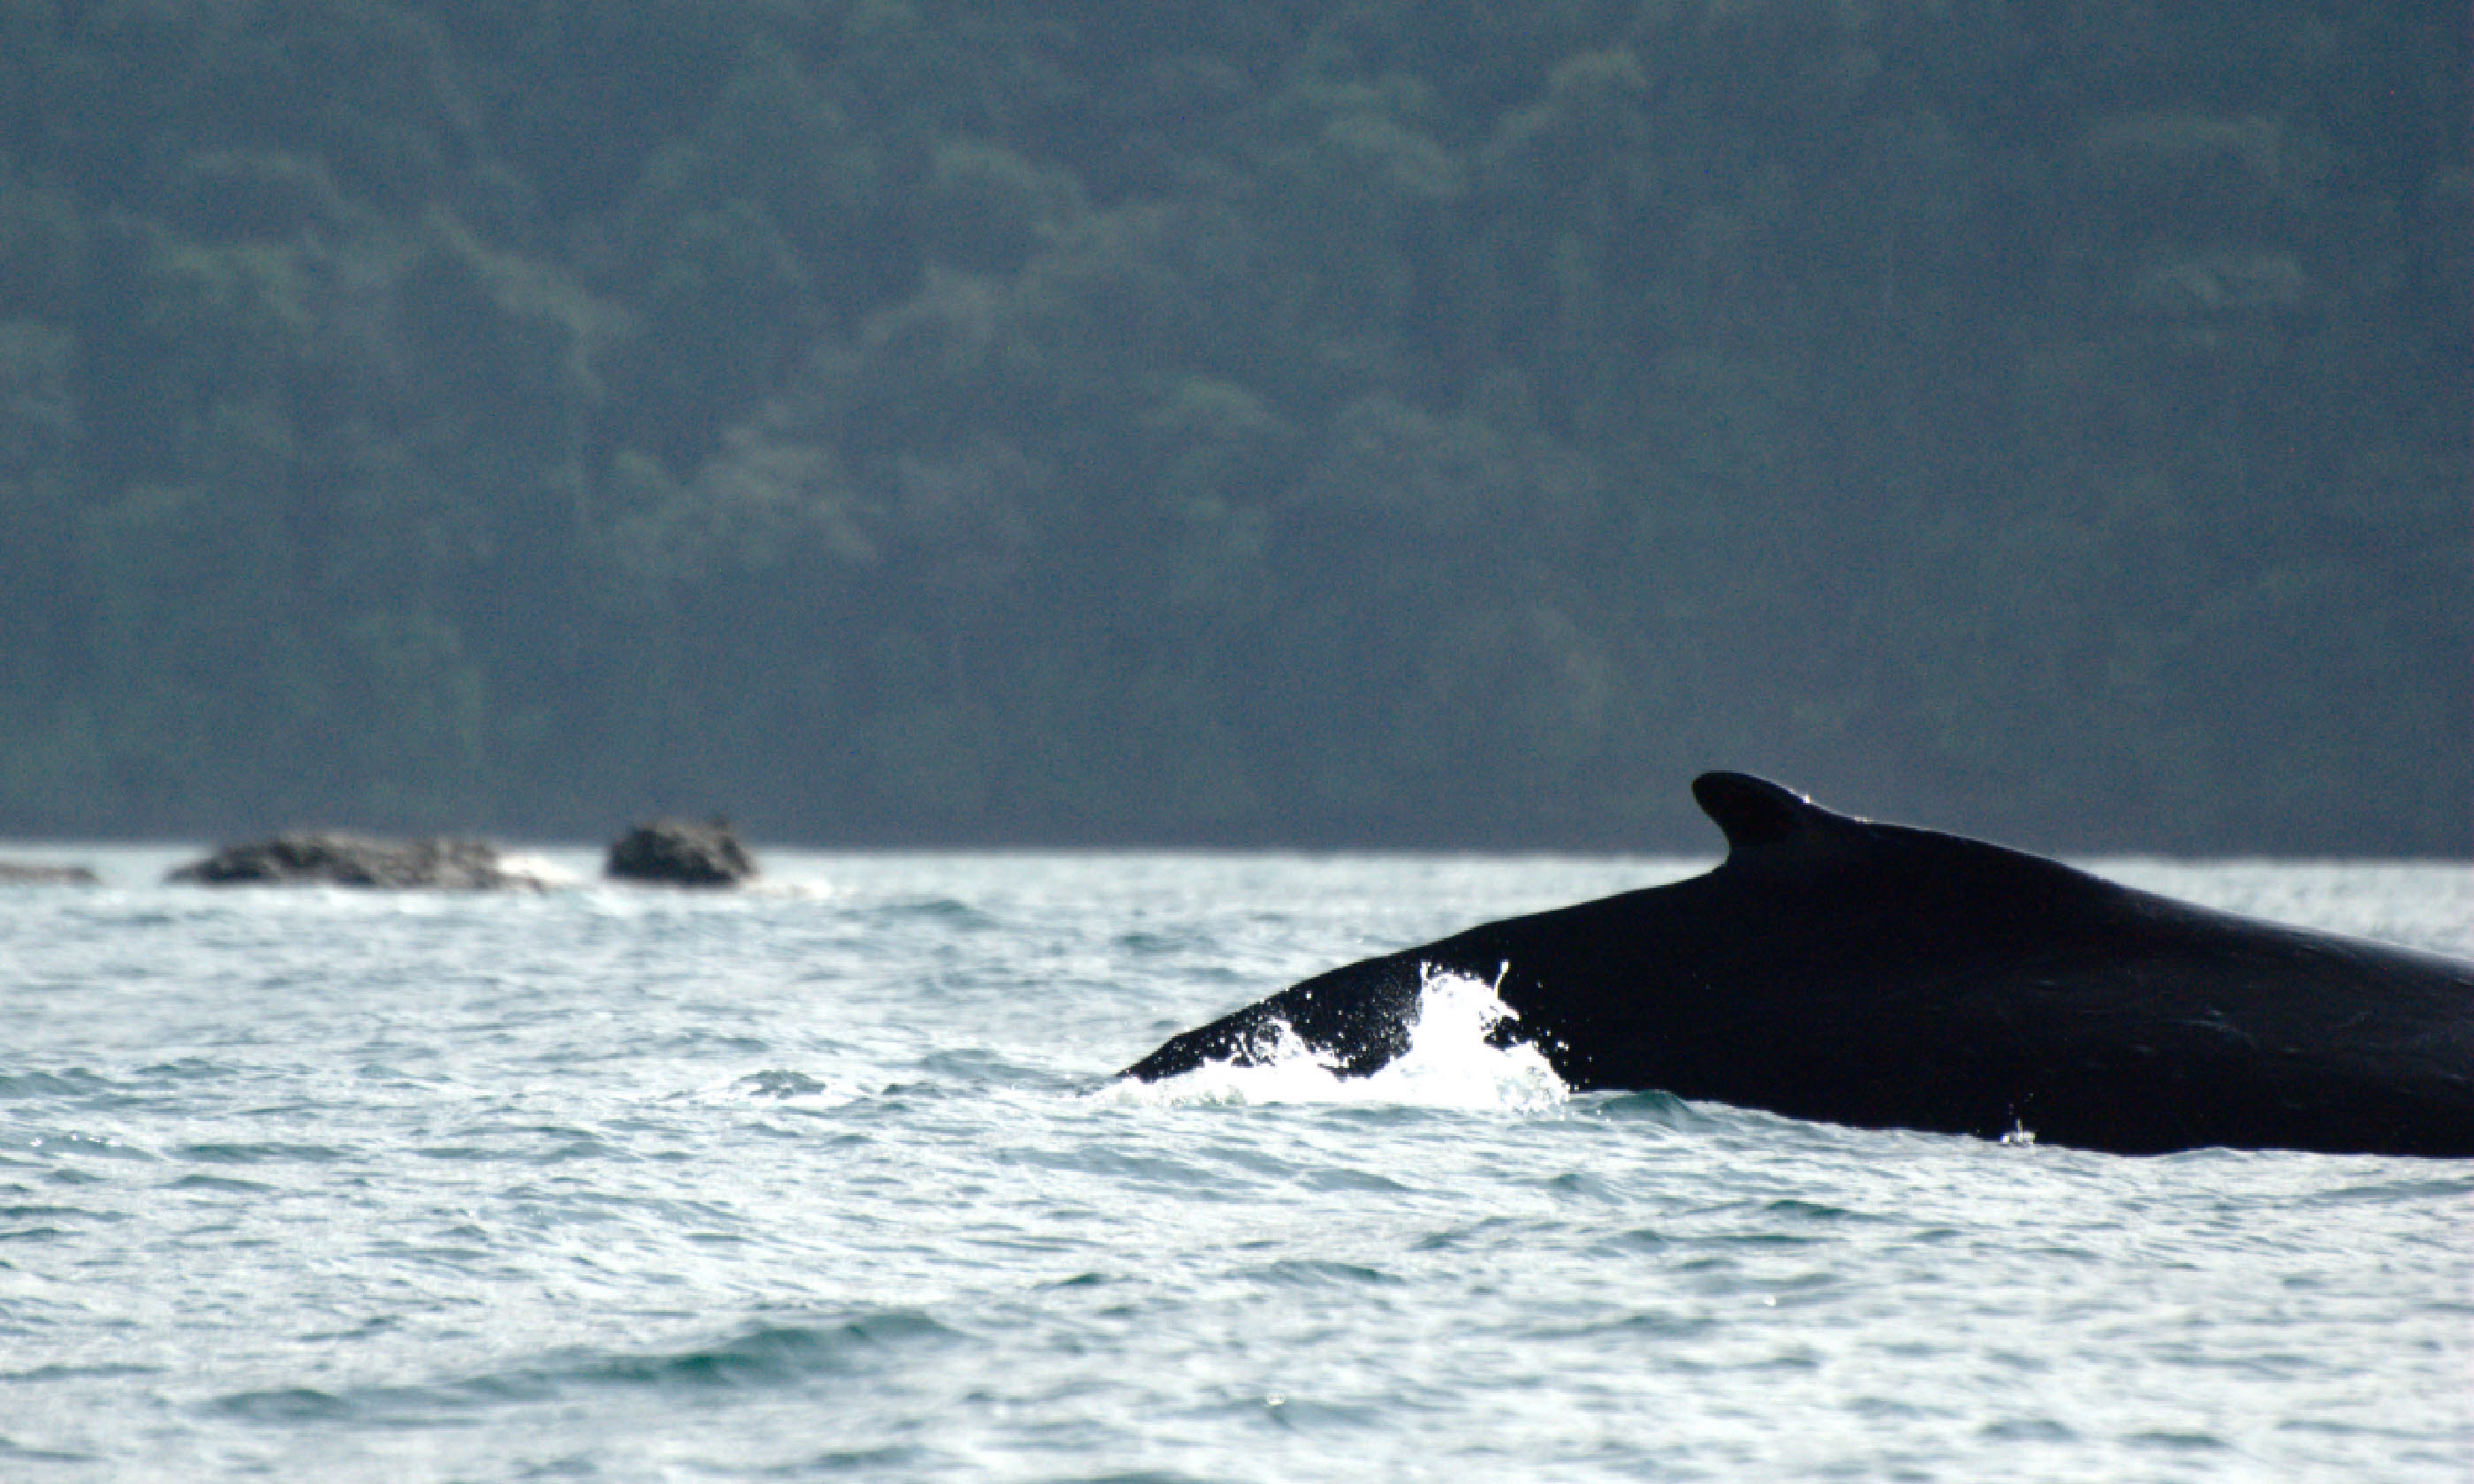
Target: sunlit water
827, 1181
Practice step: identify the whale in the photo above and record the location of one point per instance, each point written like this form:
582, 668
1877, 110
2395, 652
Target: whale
1884, 976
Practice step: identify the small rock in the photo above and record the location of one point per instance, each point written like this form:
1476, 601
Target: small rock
681, 853
26, 874
354, 860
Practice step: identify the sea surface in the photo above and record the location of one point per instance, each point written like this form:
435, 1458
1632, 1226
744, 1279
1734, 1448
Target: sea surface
828, 1180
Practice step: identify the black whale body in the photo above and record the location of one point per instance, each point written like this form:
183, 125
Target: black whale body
1883, 976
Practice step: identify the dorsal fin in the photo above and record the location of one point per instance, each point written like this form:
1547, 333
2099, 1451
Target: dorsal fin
1752, 811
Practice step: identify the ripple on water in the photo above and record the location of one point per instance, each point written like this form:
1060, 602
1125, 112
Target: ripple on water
761, 1356
71, 1082
260, 1154
1311, 1273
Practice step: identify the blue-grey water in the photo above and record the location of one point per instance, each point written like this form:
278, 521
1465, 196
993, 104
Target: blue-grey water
825, 1180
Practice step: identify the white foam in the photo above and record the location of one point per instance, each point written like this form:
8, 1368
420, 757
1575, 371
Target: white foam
538, 871
1449, 1064
792, 888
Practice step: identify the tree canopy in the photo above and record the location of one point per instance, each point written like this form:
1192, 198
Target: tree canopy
1349, 423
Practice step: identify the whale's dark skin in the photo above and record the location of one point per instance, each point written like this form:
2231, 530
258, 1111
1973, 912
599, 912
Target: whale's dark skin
1882, 976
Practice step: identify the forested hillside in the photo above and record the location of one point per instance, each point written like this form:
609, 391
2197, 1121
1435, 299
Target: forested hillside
1379, 423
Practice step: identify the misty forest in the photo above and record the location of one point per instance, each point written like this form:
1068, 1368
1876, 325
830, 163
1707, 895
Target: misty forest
1321, 422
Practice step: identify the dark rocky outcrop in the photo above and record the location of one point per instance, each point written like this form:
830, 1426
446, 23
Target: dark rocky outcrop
26, 874
355, 860
678, 852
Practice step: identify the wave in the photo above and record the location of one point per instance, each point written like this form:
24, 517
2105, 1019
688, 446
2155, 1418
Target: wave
861, 1342
1452, 1062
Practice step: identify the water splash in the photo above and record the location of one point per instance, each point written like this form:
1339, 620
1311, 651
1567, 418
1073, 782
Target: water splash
1450, 1063
538, 871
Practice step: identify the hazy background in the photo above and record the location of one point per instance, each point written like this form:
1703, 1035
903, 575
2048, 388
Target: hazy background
1350, 424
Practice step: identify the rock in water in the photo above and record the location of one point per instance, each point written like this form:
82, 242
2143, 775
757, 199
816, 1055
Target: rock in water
354, 860
677, 852
23, 873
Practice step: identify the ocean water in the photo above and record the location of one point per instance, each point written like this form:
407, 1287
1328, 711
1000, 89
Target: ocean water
828, 1180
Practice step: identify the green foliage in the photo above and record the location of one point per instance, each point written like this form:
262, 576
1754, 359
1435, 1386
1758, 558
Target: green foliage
1346, 422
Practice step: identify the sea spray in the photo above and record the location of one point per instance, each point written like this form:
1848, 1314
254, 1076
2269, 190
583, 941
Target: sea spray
1452, 1061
